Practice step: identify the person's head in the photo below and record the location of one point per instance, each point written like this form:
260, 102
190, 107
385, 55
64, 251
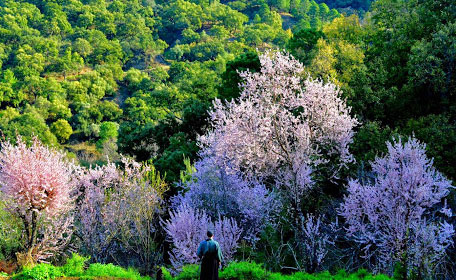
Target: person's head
209, 234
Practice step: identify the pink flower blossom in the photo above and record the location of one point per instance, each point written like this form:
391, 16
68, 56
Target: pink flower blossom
39, 186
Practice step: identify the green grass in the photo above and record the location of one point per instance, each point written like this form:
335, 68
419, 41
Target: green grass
39, 272
254, 271
100, 270
75, 267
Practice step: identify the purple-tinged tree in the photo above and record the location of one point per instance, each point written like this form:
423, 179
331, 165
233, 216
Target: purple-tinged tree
39, 186
314, 240
133, 211
120, 211
92, 229
187, 227
282, 127
399, 217
228, 235
219, 193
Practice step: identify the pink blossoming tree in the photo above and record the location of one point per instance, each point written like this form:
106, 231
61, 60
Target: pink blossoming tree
399, 217
282, 127
39, 187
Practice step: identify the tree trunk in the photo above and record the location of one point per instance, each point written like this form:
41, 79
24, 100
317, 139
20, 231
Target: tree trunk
32, 241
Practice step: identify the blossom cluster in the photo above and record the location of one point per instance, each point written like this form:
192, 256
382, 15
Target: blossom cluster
222, 193
283, 126
187, 227
401, 212
39, 185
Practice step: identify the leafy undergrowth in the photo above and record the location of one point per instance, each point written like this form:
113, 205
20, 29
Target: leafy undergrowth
75, 268
253, 271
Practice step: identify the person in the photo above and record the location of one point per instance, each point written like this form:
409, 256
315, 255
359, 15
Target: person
211, 257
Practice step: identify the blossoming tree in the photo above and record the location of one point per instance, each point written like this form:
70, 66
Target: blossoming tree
220, 193
187, 227
120, 211
282, 127
396, 217
39, 186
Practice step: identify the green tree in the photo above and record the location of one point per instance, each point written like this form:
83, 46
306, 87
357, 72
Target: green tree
283, 5
431, 69
439, 134
180, 15
302, 44
303, 8
294, 6
69, 62
314, 13
302, 24
257, 18
229, 88
29, 62
108, 131
28, 125
324, 11
62, 130
8, 91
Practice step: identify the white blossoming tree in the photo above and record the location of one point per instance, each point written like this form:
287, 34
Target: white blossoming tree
282, 127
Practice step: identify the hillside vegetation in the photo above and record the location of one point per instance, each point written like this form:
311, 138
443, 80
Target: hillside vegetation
312, 137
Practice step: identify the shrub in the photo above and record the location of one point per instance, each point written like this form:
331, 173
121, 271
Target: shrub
166, 274
189, 272
42, 271
360, 274
62, 130
10, 233
75, 265
244, 271
104, 270
379, 277
254, 271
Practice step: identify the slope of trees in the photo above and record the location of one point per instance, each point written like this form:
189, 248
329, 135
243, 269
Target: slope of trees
260, 144
73, 71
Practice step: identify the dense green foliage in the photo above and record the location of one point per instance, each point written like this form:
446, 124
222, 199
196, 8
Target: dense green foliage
76, 267
395, 76
253, 271
10, 234
40, 272
77, 71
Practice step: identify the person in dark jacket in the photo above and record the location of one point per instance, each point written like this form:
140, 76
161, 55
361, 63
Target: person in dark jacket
211, 258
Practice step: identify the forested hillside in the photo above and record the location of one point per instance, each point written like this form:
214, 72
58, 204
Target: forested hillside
281, 102
81, 73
